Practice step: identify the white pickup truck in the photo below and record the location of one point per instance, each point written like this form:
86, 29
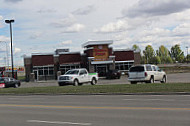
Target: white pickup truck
146, 73
77, 77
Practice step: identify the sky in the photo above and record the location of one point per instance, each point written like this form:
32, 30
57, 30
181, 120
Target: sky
42, 26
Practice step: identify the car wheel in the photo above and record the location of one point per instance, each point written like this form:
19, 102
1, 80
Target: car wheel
16, 86
61, 84
163, 79
133, 82
76, 82
151, 80
94, 81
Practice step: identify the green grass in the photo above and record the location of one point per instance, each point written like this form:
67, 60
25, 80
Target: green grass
108, 89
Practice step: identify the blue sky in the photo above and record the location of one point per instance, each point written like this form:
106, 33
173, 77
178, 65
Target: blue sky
42, 26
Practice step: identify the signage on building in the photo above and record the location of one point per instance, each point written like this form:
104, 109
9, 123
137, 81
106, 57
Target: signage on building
100, 53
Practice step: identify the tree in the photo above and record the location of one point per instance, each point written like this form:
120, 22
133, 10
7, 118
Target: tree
136, 48
164, 55
176, 53
156, 60
149, 54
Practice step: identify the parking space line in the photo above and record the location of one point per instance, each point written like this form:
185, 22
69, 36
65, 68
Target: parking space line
58, 122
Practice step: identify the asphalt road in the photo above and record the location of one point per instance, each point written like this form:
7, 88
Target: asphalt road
171, 78
95, 110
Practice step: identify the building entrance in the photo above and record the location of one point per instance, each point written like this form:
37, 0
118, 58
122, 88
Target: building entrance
101, 69
36, 75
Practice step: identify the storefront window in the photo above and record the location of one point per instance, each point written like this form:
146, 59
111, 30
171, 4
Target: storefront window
66, 67
46, 70
123, 66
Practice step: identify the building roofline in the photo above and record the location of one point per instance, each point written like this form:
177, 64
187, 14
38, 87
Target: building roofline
69, 53
96, 42
35, 54
115, 50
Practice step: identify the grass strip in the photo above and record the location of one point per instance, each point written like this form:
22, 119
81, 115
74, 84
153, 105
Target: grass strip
107, 89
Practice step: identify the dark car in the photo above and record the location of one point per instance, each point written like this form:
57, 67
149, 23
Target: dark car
9, 82
113, 74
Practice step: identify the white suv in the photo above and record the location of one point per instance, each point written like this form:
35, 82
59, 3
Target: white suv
146, 73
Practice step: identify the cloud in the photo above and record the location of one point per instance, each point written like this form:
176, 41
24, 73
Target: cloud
156, 8
84, 11
64, 22
4, 38
36, 35
17, 50
1, 18
68, 42
13, 1
74, 28
182, 30
46, 11
120, 25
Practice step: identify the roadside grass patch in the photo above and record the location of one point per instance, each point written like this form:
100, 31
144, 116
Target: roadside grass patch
101, 89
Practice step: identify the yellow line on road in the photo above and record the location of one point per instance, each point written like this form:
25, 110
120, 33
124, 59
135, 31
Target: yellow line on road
91, 107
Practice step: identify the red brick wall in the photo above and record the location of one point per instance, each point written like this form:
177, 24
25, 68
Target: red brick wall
42, 60
69, 58
124, 55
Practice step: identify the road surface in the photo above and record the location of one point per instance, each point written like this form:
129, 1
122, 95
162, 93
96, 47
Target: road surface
95, 110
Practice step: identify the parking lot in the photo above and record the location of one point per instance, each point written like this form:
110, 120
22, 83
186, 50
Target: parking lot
171, 78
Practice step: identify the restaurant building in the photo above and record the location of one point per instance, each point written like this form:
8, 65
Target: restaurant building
98, 56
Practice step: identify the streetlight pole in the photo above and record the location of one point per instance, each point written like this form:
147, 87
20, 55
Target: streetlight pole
9, 22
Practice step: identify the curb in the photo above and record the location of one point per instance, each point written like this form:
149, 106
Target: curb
151, 93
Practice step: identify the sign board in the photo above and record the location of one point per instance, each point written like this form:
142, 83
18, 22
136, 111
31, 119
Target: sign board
100, 52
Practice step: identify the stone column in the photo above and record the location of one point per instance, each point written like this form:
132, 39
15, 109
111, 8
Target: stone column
90, 66
112, 66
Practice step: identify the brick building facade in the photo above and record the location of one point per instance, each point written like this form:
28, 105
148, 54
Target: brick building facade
98, 57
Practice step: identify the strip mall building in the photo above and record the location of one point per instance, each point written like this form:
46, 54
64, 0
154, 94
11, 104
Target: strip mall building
98, 57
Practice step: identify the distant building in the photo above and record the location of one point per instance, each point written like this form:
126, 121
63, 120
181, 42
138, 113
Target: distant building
98, 57
58, 51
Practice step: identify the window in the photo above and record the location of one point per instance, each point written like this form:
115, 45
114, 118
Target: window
66, 67
44, 70
82, 72
137, 69
154, 68
123, 65
148, 68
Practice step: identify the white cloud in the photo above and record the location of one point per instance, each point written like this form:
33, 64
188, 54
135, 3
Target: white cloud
36, 35
64, 22
17, 50
68, 42
182, 30
120, 25
4, 38
74, 28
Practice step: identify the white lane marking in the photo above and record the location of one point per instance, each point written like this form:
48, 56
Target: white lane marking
149, 99
58, 122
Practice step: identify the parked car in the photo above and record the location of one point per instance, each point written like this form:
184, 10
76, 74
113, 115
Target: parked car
77, 77
9, 82
146, 73
113, 74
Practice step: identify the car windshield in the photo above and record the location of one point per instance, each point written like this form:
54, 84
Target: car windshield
137, 69
72, 72
1, 80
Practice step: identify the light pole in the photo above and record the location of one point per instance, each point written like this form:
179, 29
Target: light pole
9, 22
